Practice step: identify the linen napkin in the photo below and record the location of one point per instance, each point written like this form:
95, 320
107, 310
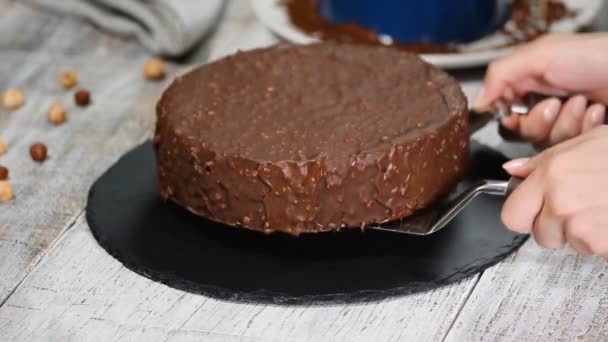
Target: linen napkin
165, 27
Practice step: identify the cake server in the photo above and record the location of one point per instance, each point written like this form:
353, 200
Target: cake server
478, 120
431, 220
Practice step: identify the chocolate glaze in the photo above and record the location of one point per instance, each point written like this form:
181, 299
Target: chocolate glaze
310, 138
520, 26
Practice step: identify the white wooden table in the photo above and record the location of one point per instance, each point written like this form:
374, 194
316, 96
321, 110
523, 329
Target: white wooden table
57, 284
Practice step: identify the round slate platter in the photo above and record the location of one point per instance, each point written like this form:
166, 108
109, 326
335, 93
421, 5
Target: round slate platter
167, 244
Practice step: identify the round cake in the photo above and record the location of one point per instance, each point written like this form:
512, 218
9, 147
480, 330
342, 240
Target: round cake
311, 138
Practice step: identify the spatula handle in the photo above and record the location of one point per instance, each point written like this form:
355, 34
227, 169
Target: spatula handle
492, 187
500, 188
524, 106
512, 184
520, 107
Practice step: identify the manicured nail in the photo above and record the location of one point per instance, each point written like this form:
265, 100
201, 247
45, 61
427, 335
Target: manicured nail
478, 103
579, 103
597, 115
551, 110
515, 164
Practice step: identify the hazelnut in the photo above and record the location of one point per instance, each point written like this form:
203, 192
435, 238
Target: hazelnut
38, 152
2, 147
67, 79
12, 99
6, 191
56, 114
154, 69
3, 173
82, 98
246, 220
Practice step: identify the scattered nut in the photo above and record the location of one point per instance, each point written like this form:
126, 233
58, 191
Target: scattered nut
3, 173
6, 191
67, 79
12, 99
246, 220
56, 114
82, 98
38, 152
154, 69
2, 147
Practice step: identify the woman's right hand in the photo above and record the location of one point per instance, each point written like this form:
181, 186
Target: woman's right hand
573, 65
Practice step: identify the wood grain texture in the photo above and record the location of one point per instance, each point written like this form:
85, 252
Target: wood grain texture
49, 196
538, 295
79, 291
73, 290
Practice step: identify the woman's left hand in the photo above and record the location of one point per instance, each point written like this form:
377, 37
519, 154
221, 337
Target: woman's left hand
564, 198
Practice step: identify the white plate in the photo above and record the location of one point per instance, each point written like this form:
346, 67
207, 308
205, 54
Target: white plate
275, 17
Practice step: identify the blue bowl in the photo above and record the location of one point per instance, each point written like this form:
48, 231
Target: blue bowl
436, 21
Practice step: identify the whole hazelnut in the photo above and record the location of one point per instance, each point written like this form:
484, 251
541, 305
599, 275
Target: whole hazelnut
6, 191
3, 173
67, 79
12, 99
82, 98
38, 152
154, 69
2, 147
56, 114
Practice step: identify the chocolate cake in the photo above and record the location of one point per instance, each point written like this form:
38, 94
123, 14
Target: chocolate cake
311, 138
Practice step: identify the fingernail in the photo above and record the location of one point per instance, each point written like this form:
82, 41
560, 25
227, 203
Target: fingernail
515, 164
597, 115
551, 110
579, 103
478, 102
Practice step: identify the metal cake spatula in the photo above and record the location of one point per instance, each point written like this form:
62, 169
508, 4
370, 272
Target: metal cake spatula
431, 220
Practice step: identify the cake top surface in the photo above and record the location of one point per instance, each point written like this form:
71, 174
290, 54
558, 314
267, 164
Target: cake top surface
307, 102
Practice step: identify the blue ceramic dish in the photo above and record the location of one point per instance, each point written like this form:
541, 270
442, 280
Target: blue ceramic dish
436, 21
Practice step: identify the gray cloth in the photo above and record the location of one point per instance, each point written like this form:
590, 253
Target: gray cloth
165, 27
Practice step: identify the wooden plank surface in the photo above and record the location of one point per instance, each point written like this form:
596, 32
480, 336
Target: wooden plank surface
50, 196
74, 290
539, 295
78, 291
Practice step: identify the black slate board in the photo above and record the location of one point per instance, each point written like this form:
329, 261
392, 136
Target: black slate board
166, 244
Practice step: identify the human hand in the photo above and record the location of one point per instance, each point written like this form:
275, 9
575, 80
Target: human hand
554, 65
563, 198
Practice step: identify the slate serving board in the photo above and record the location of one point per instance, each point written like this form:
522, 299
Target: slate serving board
167, 244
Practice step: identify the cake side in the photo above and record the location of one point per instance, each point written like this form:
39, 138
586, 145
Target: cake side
382, 181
